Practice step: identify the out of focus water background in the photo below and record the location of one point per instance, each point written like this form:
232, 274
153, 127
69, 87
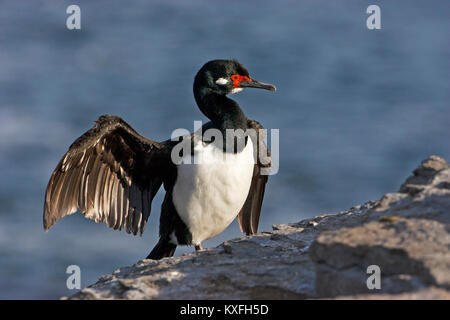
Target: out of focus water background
357, 109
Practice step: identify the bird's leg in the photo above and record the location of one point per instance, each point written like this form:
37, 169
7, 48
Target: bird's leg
198, 247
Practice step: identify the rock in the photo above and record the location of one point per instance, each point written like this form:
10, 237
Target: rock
405, 234
411, 254
257, 267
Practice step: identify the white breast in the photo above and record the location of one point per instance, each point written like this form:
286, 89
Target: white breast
208, 196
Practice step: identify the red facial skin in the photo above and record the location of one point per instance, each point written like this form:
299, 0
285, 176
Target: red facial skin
237, 79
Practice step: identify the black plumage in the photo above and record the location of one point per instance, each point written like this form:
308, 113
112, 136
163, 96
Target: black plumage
112, 173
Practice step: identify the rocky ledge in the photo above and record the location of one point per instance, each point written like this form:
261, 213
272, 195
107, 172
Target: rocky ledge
405, 234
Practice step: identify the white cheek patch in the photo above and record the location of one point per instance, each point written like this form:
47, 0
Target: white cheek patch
222, 81
236, 90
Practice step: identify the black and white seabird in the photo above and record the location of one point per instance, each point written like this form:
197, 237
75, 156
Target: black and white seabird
112, 173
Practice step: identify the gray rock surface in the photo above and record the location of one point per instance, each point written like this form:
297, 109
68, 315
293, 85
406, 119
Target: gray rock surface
406, 234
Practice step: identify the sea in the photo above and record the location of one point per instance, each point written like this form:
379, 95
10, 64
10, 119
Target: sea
357, 109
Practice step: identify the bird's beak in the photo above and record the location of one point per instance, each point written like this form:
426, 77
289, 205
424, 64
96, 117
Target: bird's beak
256, 84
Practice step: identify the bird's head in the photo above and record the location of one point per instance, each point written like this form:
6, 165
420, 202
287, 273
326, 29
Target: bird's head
225, 77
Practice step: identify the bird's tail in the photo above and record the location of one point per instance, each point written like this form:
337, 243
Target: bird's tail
162, 249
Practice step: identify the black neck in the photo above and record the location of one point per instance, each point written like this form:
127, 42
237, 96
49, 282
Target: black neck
222, 111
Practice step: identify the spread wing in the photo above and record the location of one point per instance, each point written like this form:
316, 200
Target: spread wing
248, 217
111, 174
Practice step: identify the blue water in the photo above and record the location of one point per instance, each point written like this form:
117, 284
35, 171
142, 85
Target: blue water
357, 109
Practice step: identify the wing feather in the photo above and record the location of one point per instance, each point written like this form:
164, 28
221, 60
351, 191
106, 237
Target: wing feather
248, 217
111, 174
